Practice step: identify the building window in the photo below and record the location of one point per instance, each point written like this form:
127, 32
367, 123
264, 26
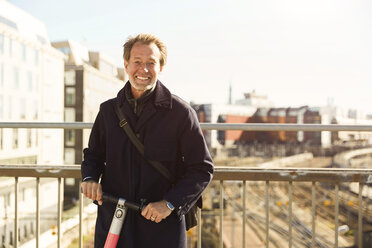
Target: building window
1, 75
70, 115
66, 51
22, 110
23, 49
29, 138
35, 110
10, 47
1, 107
36, 54
29, 79
36, 83
15, 138
1, 139
10, 108
70, 96
69, 156
16, 78
70, 78
70, 137
1, 44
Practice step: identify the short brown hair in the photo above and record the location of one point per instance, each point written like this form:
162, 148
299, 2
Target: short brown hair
145, 39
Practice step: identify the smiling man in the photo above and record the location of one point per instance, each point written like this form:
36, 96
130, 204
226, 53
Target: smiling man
171, 134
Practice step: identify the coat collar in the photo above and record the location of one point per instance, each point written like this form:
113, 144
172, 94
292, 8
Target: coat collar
162, 97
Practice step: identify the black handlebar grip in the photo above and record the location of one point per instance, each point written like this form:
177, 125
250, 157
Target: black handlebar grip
133, 206
113, 199
110, 198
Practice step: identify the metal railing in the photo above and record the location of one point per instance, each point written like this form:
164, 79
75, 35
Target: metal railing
207, 126
222, 174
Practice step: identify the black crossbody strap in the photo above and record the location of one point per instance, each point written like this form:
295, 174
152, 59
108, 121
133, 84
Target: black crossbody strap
138, 144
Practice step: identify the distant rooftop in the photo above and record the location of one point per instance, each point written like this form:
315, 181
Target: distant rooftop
26, 25
256, 100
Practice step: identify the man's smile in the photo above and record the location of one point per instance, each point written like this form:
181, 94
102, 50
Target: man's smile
142, 78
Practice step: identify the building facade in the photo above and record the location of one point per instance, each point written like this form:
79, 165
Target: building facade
90, 79
31, 90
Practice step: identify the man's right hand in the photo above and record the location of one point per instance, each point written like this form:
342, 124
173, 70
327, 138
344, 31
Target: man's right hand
92, 190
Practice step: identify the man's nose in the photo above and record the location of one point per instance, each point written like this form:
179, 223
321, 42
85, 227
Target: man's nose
144, 67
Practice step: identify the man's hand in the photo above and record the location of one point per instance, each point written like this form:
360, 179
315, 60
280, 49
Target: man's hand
92, 190
156, 211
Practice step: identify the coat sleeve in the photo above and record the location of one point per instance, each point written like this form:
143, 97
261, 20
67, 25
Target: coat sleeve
95, 154
198, 166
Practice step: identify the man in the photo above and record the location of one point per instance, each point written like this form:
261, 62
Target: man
171, 134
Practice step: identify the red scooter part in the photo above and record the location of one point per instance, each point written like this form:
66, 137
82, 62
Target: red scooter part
118, 219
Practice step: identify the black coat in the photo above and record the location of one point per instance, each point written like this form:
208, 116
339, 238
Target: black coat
171, 134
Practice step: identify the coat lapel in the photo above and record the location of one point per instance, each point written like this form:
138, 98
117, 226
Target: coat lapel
148, 112
125, 107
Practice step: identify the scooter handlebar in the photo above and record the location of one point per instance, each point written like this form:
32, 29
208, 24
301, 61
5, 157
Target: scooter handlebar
132, 205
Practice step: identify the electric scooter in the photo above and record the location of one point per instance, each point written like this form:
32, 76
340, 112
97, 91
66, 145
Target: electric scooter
117, 222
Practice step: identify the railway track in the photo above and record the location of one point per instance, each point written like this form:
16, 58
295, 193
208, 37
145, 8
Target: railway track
301, 234
301, 210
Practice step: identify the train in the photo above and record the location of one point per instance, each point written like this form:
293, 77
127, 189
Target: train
230, 113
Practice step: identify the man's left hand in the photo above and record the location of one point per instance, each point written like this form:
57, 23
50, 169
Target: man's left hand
156, 211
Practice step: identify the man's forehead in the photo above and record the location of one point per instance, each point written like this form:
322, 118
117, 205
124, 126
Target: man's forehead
140, 50
152, 57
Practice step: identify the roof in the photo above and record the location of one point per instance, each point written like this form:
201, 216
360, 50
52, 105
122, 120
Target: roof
26, 25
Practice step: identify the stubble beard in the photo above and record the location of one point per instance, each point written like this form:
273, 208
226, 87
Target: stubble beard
142, 87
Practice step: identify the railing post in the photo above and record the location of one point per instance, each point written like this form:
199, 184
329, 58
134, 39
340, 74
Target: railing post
81, 205
60, 202
267, 213
199, 227
290, 212
313, 213
221, 214
360, 216
336, 214
16, 233
37, 211
244, 211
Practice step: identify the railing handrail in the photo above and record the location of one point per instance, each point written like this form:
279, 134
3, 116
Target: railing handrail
207, 126
221, 173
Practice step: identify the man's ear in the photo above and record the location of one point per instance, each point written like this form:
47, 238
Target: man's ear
125, 64
161, 68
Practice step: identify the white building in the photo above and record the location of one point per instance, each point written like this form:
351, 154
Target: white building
338, 115
31, 89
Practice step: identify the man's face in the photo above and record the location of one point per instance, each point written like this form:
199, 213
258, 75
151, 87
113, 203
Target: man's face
143, 66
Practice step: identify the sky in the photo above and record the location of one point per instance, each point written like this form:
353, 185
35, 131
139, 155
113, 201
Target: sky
294, 51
